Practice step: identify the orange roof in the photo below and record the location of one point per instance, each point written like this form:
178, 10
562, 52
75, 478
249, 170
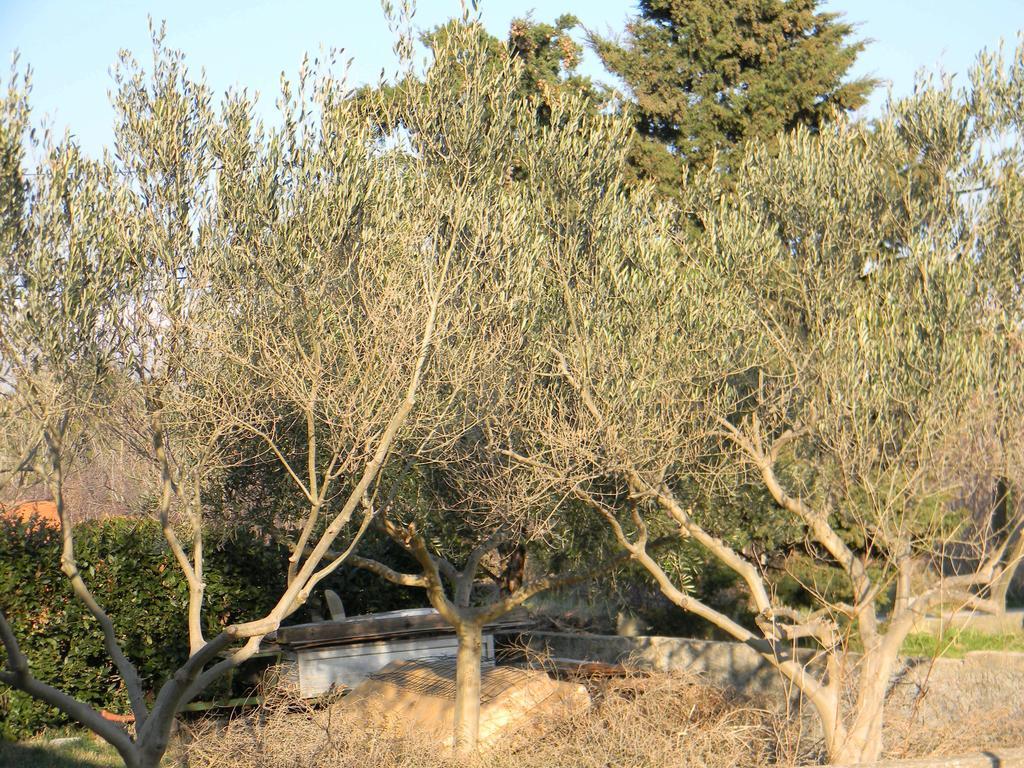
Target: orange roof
43, 511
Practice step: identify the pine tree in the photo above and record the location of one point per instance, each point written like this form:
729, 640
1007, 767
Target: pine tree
707, 75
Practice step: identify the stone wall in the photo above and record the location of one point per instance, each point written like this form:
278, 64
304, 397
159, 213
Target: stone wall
959, 690
932, 691
722, 663
995, 624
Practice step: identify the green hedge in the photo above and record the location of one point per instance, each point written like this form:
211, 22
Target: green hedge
127, 565
130, 570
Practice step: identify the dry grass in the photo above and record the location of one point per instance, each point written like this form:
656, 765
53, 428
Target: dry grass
651, 720
915, 737
659, 720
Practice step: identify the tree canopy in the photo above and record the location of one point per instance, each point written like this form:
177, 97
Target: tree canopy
441, 307
708, 75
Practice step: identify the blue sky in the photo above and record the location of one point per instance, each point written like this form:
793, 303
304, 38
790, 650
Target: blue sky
72, 45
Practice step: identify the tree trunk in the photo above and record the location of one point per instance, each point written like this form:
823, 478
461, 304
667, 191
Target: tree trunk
467, 687
1000, 588
862, 742
143, 760
150, 755
152, 742
1000, 523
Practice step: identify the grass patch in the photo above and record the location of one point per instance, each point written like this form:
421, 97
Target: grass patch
955, 643
82, 753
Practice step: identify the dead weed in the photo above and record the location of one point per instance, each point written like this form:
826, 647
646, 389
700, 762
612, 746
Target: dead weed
641, 720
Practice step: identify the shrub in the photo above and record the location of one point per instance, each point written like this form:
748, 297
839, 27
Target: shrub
130, 569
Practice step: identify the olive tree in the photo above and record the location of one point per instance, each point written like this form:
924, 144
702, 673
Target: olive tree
825, 338
455, 498
486, 540
216, 283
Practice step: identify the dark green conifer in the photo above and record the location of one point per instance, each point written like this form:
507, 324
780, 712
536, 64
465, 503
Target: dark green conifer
708, 75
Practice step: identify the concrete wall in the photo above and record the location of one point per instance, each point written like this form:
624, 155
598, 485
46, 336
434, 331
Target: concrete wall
723, 663
995, 624
959, 690
933, 691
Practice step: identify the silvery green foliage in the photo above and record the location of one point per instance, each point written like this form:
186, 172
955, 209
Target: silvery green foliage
351, 289
839, 331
